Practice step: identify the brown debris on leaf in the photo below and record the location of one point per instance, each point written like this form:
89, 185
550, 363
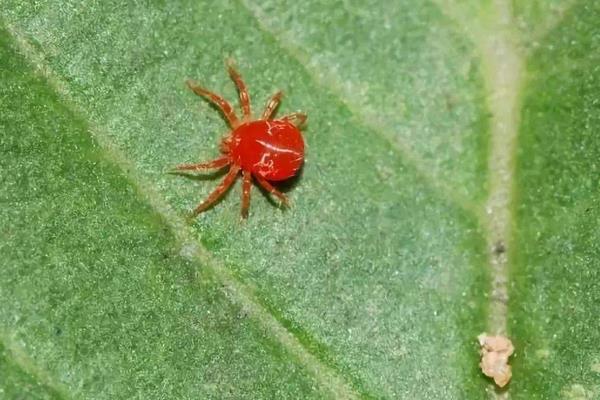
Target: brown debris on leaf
495, 351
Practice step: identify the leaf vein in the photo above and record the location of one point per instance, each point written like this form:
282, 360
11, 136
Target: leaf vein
333, 86
329, 379
27, 365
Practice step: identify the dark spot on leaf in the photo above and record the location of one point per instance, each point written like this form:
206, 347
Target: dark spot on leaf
499, 248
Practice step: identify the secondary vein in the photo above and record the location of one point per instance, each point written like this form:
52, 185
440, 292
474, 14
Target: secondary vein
19, 357
332, 83
327, 377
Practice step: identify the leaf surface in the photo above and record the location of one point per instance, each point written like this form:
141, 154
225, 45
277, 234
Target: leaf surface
450, 188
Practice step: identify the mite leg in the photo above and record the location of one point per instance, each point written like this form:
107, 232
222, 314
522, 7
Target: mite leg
214, 164
241, 86
297, 119
272, 105
269, 188
219, 191
217, 100
246, 187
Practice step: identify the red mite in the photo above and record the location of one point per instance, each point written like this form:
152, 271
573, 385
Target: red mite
265, 149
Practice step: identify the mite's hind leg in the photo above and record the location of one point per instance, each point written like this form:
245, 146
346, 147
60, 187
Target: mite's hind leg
217, 100
219, 191
269, 188
241, 86
272, 105
297, 119
246, 188
214, 164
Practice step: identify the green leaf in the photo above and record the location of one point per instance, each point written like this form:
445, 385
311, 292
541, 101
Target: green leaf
450, 188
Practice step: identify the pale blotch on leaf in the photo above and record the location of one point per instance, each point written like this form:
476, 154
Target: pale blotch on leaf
495, 351
542, 353
189, 250
596, 366
579, 392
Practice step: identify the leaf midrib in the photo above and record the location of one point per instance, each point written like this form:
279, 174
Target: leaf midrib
503, 67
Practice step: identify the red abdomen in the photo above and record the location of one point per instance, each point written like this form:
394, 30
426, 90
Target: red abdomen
272, 149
